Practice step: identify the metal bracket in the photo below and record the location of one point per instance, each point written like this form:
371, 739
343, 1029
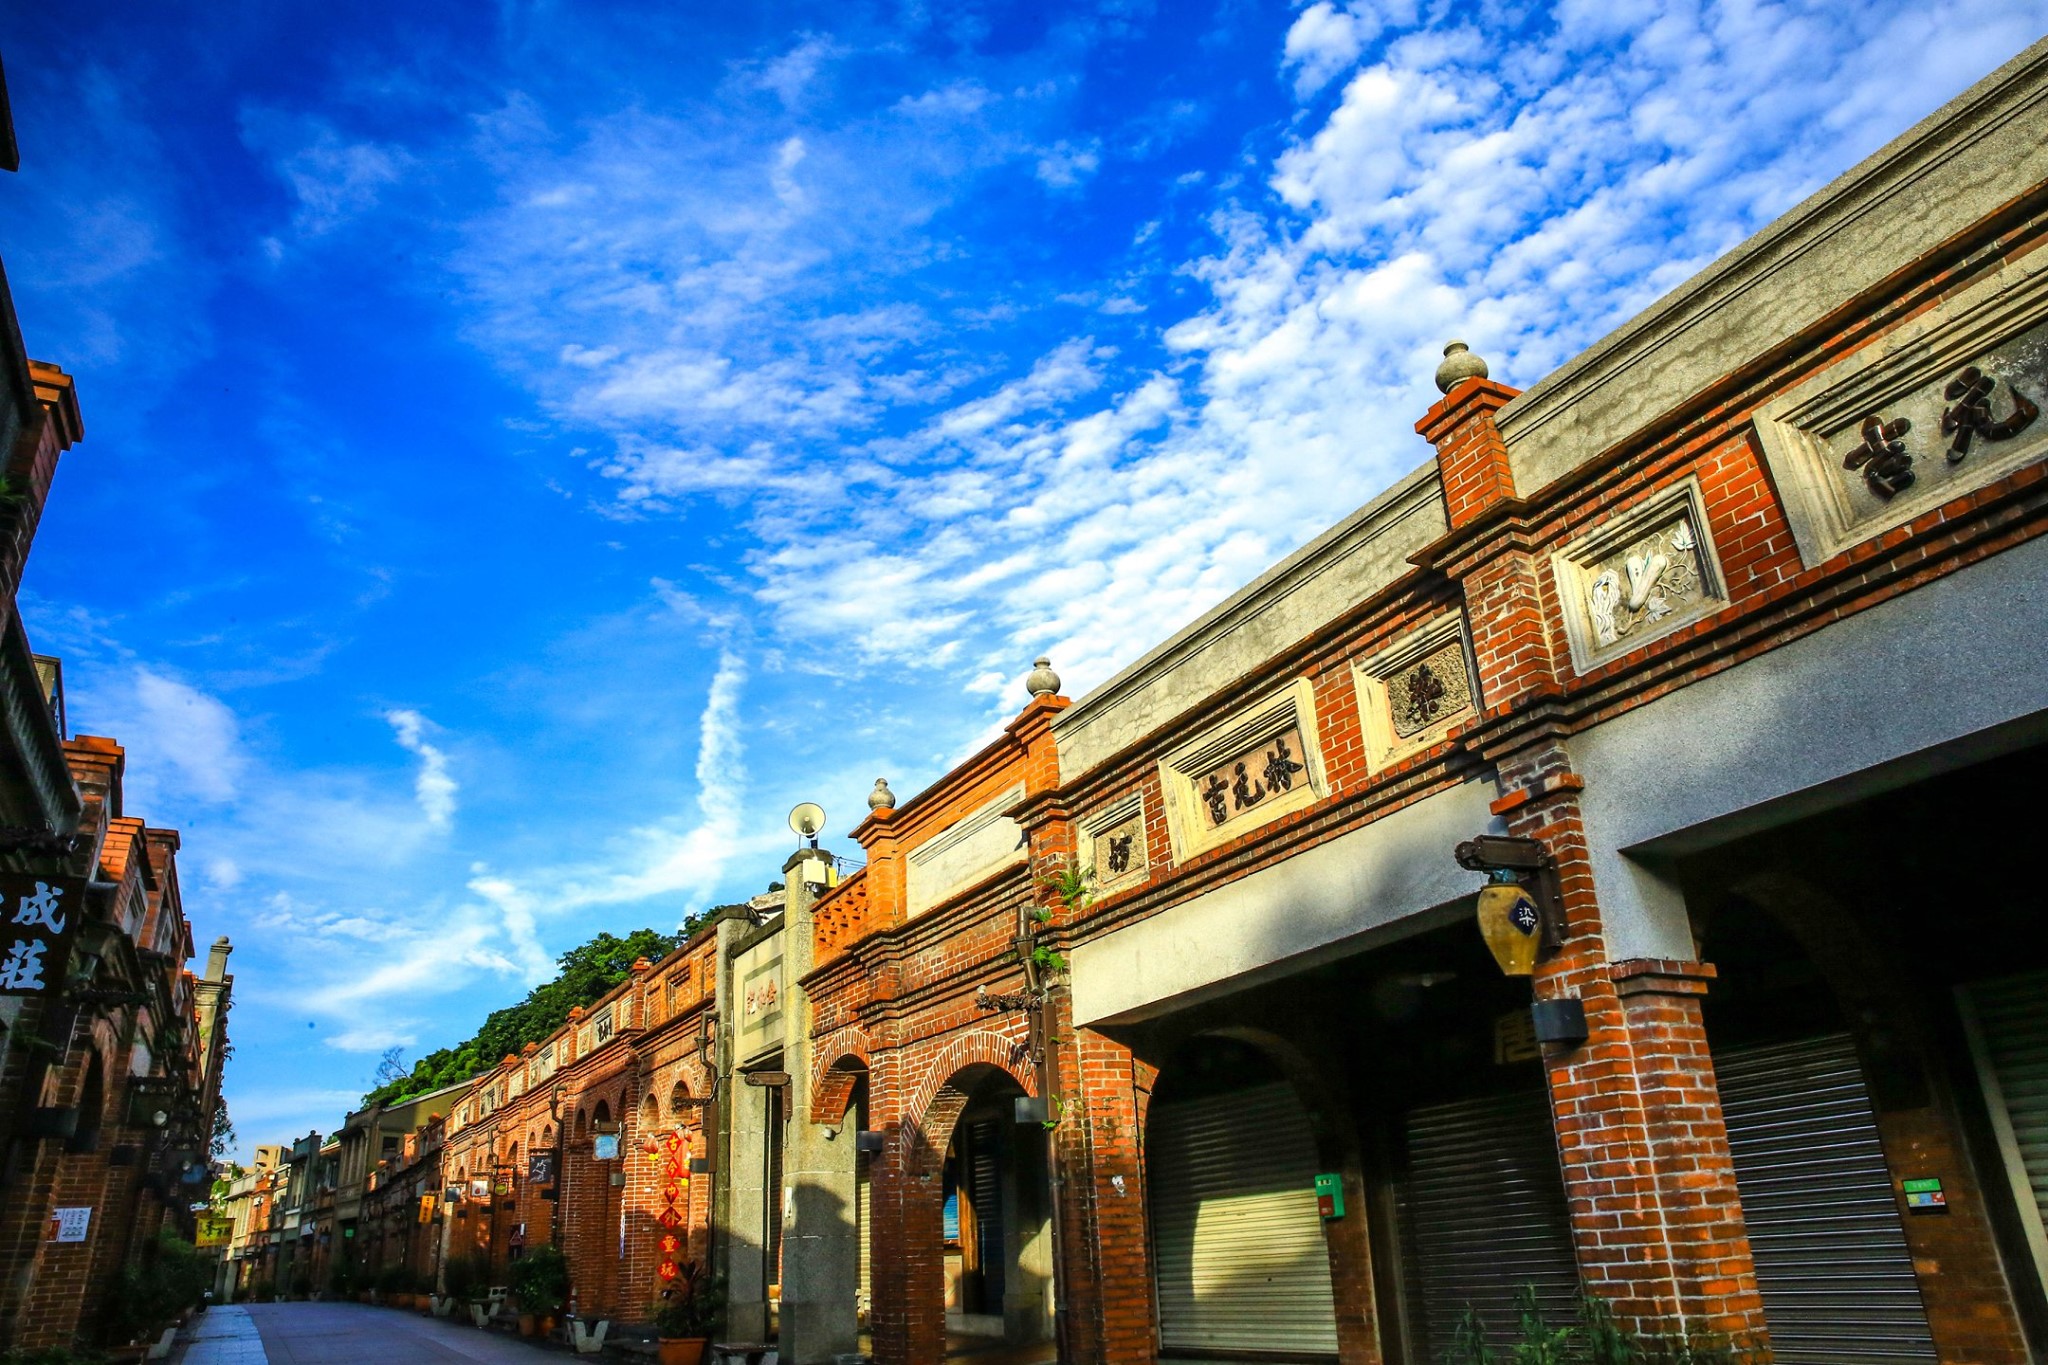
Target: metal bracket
49, 843
1008, 1004
1534, 867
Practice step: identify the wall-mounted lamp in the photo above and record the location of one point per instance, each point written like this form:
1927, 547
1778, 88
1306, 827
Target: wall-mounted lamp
1520, 912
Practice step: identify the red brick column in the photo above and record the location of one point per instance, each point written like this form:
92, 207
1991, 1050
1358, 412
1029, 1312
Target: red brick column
1471, 456
1100, 1142
909, 1318
1656, 1218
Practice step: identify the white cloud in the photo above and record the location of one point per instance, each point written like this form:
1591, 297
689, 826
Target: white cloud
433, 788
1324, 40
179, 739
371, 1038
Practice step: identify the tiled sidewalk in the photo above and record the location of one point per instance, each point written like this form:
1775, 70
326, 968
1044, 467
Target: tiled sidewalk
222, 1336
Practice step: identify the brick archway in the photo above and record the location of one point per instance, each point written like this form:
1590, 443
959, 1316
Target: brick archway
935, 1106
842, 1061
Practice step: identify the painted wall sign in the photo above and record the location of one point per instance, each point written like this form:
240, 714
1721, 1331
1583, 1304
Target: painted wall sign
606, 1147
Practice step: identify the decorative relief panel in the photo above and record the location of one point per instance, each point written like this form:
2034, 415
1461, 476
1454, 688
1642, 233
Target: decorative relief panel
1643, 575
1113, 844
1412, 692
1937, 408
1262, 763
972, 849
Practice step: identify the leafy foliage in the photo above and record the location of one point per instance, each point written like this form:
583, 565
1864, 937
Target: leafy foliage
584, 974
170, 1277
223, 1130
1594, 1339
693, 1307
539, 1280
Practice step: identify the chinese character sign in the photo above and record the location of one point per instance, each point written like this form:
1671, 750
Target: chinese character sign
69, 1225
38, 917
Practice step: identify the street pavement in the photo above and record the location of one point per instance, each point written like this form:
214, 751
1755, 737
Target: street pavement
345, 1334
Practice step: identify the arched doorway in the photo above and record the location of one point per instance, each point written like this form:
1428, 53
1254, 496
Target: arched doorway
995, 1213
1239, 1256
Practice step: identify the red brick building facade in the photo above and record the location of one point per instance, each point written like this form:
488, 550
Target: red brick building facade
1739, 617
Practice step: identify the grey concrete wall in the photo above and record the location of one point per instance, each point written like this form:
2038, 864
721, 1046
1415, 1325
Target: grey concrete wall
1331, 900
1949, 672
1943, 176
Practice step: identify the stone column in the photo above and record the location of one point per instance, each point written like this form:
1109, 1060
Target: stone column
820, 1250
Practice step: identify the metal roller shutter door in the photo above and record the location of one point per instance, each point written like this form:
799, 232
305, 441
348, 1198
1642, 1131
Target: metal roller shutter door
1237, 1243
1831, 1260
1485, 1215
2008, 1025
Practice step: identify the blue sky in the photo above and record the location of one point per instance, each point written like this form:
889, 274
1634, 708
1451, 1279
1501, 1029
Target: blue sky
530, 447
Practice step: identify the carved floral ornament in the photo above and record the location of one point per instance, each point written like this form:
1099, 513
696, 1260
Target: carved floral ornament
1642, 574
1114, 841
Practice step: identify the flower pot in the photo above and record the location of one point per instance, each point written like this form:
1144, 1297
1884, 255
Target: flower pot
480, 1313
547, 1324
683, 1350
528, 1324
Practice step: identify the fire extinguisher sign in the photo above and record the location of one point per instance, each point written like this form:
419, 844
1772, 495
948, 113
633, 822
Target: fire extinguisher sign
1330, 1195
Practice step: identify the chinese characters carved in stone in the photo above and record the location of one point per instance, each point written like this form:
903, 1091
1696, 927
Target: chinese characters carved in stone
1882, 453
1240, 783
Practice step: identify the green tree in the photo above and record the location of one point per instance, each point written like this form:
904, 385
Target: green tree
583, 974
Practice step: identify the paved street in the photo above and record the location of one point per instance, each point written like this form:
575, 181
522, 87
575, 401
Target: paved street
344, 1334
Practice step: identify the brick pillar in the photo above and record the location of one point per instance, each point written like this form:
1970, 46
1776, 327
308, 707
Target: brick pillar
1656, 1219
1100, 1140
909, 1317
1470, 454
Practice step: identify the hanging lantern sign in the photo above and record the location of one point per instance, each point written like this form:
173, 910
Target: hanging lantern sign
1510, 921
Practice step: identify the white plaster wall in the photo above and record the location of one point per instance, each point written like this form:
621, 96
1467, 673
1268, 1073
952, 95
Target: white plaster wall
972, 849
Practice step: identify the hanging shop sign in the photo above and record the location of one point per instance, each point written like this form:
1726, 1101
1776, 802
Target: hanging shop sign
213, 1230
540, 1168
426, 1208
606, 1147
480, 1188
39, 917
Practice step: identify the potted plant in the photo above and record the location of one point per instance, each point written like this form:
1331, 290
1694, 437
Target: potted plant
689, 1314
423, 1294
540, 1286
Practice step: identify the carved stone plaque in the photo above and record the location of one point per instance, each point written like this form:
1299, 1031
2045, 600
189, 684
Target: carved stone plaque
1940, 406
1429, 691
1239, 783
1642, 574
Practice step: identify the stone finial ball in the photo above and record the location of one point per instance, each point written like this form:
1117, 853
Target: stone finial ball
1042, 682
1458, 365
881, 798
